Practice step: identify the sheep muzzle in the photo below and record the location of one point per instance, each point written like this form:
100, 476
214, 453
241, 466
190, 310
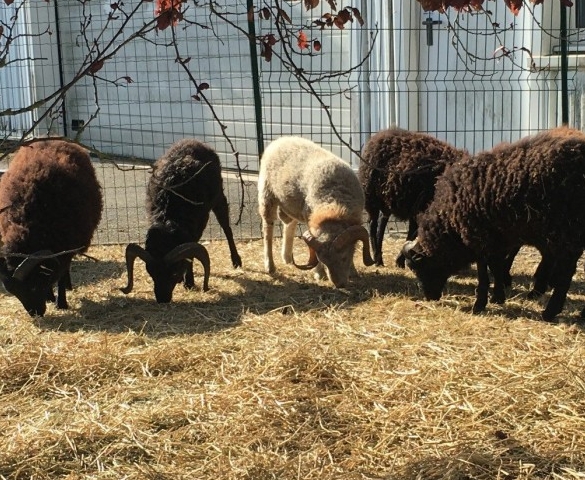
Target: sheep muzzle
410, 251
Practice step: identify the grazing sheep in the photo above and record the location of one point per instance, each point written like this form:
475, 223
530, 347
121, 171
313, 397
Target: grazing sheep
184, 187
52, 204
302, 182
530, 192
398, 172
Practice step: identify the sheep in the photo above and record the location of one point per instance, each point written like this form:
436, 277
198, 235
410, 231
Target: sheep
530, 192
398, 172
52, 205
302, 182
184, 187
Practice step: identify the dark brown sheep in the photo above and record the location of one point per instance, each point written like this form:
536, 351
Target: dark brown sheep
184, 187
54, 204
398, 172
530, 192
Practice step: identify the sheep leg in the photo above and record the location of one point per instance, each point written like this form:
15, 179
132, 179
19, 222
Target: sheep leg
268, 214
290, 226
68, 284
268, 234
411, 235
50, 294
373, 215
483, 285
319, 272
510, 256
189, 278
380, 239
62, 285
562, 274
499, 267
541, 277
222, 213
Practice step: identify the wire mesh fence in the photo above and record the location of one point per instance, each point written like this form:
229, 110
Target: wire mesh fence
236, 76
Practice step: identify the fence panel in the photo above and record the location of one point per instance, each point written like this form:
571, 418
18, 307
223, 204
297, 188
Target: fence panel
471, 79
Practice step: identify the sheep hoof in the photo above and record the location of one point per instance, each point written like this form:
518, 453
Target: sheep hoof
270, 269
534, 294
478, 307
498, 298
236, 261
548, 316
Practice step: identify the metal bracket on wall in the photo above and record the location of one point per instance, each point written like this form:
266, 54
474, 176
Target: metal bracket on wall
429, 22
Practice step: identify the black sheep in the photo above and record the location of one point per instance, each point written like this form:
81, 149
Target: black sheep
52, 206
530, 192
398, 172
184, 187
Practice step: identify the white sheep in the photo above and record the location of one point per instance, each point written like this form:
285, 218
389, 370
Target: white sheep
302, 182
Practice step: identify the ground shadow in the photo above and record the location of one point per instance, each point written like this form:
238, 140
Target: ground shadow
259, 294
87, 271
221, 310
461, 288
138, 315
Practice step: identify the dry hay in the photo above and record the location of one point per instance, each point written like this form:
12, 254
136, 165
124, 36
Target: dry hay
287, 378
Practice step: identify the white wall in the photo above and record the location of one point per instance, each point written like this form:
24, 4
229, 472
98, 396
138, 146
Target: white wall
143, 118
457, 88
15, 75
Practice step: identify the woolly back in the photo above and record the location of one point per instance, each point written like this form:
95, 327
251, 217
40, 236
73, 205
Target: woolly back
399, 168
54, 196
185, 183
309, 180
535, 187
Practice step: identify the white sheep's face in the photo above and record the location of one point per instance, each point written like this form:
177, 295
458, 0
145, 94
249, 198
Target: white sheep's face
337, 260
337, 263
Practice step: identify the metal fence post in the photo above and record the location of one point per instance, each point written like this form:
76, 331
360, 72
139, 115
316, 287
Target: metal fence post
255, 78
564, 68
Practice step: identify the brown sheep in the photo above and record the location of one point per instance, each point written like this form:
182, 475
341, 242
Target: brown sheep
530, 192
185, 186
52, 205
398, 172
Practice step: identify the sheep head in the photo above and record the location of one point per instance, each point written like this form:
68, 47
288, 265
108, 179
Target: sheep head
169, 270
431, 273
334, 248
32, 280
